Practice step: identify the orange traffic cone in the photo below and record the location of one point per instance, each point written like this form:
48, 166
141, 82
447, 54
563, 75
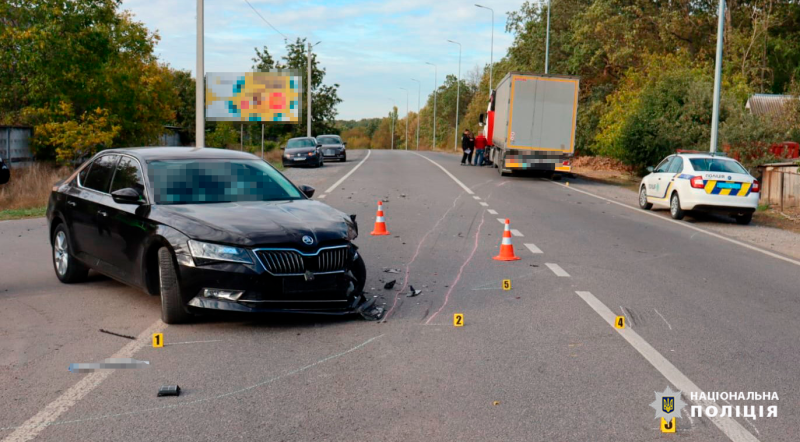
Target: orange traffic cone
380, 223
506, 249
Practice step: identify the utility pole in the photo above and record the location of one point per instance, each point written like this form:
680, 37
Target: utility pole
458, 94
435, 87
199, 87
419, 89
547, 43
262, 140
308, 86
391, 118
491, 50
717, 77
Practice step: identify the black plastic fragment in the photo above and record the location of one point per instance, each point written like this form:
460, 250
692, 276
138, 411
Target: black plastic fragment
169, 390
389, 284
117, 334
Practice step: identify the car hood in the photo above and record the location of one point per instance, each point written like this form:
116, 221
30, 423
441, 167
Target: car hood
258, 223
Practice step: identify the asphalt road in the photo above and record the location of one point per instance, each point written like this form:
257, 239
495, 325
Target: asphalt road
538, 362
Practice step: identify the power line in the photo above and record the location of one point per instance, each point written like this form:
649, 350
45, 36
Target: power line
265, 20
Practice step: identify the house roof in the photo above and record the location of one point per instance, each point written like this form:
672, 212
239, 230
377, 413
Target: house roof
767, 104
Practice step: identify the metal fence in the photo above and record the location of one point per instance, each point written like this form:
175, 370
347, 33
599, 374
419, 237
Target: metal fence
780, 185
15, 145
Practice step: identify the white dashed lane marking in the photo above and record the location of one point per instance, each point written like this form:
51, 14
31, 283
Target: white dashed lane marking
484, 204
516, 232
557, 270
501, 220
533, 248
476, 197
492, 212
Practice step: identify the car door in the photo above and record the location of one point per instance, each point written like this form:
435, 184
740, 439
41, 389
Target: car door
128, 223
659, 180
90, 211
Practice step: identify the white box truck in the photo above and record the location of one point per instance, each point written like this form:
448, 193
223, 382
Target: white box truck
530, 123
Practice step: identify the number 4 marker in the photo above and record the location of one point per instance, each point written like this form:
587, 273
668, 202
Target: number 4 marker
619, 322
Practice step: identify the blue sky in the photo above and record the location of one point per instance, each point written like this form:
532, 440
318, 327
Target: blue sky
369, 48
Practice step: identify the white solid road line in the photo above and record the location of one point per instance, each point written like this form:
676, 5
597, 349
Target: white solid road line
728, 425
686, 225
557, 270
341, 180
33, 426
463, 186
533, 248
492, 212
484, 204
516, 232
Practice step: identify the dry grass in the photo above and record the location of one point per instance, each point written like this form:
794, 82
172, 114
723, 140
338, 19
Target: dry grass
273, 157
30, 186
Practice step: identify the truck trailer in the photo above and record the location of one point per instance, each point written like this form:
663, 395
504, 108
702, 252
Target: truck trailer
530, 123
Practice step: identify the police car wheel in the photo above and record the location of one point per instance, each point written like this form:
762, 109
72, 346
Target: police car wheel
643, 204
675, 207
743, 219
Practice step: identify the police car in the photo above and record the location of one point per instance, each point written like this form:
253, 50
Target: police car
700, 182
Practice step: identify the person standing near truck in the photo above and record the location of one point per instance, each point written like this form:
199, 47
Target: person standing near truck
467, 144
480, 145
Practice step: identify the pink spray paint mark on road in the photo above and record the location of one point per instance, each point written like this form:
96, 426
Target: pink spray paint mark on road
413, 258
460, 270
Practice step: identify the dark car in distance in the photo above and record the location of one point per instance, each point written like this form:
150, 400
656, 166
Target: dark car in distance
205, 229
333, 147
303, 151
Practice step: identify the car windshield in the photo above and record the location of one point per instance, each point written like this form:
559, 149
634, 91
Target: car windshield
716, 165
329, 140
300, 142
217, 181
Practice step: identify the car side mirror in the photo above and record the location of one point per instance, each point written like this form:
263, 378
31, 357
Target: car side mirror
307, 190
283, 147
127, 196
319, 145
481, 119
344, 143
650, 169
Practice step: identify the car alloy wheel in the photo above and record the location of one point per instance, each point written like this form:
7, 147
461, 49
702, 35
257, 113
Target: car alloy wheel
61, 254
675, 207
643, 199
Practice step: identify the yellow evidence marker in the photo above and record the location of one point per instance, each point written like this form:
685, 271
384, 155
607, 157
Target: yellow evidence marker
458, 320
158, 340
667, 427
619, 322
506, 284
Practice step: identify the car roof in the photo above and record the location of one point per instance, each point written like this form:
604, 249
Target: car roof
703, 155
301, 138
329, 135
179, 153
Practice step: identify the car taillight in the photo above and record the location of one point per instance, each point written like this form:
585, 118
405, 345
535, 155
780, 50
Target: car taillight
756, 187
697, 182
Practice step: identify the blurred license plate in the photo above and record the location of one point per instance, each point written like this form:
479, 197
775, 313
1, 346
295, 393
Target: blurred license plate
729, 185
330, 152
300, 159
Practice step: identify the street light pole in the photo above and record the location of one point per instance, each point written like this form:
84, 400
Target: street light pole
717, 78
394, 105
435, 86
458, 94
308, 86
406, 115
547, 43
199, 87
491, 49
419, 89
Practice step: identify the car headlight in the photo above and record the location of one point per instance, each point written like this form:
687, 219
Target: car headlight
288, 156
217, 252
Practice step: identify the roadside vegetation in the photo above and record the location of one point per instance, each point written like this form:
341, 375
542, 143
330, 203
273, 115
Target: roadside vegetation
26, 194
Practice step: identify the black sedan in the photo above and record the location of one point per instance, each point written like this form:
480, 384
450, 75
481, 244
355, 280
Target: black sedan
205, 229
333, 148
303, 151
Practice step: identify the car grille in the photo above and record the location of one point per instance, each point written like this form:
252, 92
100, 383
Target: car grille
292, 262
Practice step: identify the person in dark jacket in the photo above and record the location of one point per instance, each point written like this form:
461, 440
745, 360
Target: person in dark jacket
467, 145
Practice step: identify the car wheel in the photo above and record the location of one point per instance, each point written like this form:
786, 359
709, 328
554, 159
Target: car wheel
344, 158
744, 219
172, 309
675, 207
68, 269
643, 204
321, 162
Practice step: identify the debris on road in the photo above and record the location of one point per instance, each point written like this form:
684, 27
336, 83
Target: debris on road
169, 390
107, 364
369, 311
389, 284
496, 403
413, 292
117, 334
391, 270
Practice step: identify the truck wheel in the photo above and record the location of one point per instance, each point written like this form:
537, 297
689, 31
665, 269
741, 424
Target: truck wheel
172, 309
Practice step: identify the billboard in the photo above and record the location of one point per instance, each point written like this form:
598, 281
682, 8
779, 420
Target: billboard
272, 97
